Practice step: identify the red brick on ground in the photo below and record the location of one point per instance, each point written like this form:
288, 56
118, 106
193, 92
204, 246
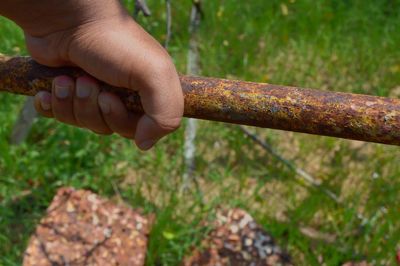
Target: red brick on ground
361, 263
80, 228
237, 240
398, 257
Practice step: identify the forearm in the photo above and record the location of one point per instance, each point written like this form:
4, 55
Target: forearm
44, 17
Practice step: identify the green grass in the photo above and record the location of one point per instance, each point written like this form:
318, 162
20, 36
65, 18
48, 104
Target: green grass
342, 45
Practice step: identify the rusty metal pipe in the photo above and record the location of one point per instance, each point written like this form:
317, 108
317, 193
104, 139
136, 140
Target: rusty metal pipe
343, 115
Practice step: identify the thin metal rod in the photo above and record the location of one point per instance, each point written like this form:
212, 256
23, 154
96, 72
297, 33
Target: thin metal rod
304, 176
343, 115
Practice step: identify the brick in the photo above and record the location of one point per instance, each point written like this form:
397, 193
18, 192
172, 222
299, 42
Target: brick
81, 228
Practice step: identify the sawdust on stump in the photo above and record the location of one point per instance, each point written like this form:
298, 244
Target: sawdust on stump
237, 240
80, 228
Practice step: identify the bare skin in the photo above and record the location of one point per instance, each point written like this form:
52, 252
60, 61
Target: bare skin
101, 38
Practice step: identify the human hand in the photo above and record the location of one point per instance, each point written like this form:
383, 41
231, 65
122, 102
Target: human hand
101, 38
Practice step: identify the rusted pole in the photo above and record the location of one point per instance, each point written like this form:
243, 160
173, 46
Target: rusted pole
343, 115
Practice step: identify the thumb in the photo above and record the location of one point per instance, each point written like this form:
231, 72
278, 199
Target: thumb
150, 131
162, 102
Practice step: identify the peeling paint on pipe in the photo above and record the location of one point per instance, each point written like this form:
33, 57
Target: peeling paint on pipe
343, 115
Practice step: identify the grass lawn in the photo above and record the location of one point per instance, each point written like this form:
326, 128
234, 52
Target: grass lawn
342, 45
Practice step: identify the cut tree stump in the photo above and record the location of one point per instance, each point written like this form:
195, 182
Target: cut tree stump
237, 240
80, 228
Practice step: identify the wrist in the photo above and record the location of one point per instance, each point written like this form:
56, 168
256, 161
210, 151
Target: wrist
41, 18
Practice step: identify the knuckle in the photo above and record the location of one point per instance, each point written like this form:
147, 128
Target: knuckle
166, 68
45, 114
163, 66
67, 121
169, 125
104, 132
63, 119
128, 133
128, 136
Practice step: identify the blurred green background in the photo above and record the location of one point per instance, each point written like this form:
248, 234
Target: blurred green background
341, 45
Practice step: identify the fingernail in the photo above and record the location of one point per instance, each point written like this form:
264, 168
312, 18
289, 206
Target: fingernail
45, 100
83, 92
104, 106
62, 92
62, 87
147, 144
